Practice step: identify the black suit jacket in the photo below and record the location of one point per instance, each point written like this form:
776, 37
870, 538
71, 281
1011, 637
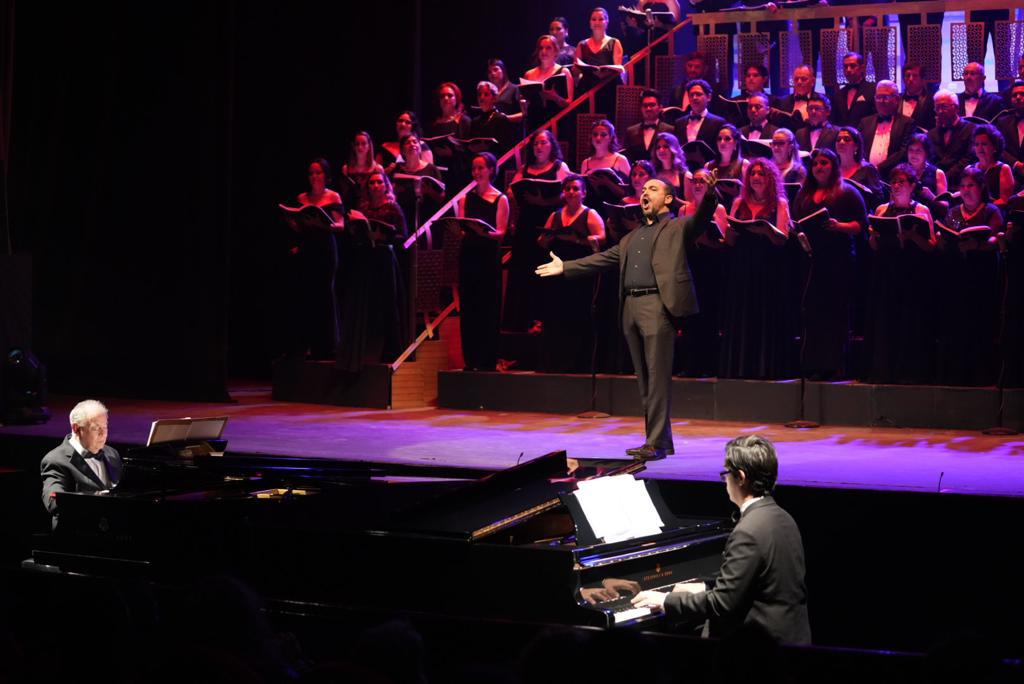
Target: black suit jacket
708, 131
791, 121
924, 112
863, 104
899, 138
956, 156
1008, 127
827, 139
761, 580
766, 133
989, 105
668, 259
633, 142
64, 470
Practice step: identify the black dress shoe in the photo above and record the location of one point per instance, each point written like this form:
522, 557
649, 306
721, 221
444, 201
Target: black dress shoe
648, 453
644, 448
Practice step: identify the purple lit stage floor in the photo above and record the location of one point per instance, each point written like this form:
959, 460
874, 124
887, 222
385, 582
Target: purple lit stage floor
857, 458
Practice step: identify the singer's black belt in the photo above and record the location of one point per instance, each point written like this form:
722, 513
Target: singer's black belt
640, 291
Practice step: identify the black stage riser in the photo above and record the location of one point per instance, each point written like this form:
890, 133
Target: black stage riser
838, 403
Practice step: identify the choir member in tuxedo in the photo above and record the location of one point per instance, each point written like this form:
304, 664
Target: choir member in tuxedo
1007, 92
571, 232
419, 200
796, 102
554, 99
729, 163
480, 267
1012, 128
970, 293
358, 167
819, 133
988, 147
756, 325
669, 162
640, 136
827, 297
759, 128
373, 281
931, 180
558, 29
700, 123
755, 77
507, 101
899, 332
786, 155
407, 122
951, 138
491, 122
543, 161
856, 99
315, 263
695, 66
916, 101
886, 133
600, 49
974, 101
604, 145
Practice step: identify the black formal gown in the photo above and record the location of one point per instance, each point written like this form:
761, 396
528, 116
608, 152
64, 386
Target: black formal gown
605, 99
830, 282
698, 349
405, 194
1012, 337
756, 340
899, 332
479, 288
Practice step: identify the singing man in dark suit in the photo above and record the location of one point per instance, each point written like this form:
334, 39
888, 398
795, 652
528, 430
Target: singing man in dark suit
887, 133
761, 580
856, 99
974, 101
657, 290
819, 133
952, 138
917, 101
639, 137
83, 462
700, 123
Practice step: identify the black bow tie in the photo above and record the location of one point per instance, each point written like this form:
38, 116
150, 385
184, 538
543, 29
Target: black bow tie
884, 119
87, 455
695, 117
801, 98
647, 126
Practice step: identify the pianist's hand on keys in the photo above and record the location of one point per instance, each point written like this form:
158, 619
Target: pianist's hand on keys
654, 600
689, 587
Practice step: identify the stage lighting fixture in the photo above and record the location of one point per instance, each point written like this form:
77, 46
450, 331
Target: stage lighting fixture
23, 392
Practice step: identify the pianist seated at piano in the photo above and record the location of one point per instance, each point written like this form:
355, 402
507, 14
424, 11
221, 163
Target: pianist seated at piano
83, 462
761, 579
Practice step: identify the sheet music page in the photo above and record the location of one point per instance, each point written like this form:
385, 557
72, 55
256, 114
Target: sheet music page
207, 428
168, 430
618, 508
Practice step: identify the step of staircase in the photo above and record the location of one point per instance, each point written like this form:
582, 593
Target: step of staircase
414, 384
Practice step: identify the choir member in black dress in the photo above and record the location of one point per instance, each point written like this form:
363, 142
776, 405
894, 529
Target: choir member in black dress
707, 258
899, 335
406, 123
1012, 338
853, 166
969, 288
827, 295
600, 49
452, 120
480, 267
491, 122
374, 280
604, 145
360, 164
543, 161
669, 161
756, 337
419, 199
729, 163
314, 265
988, 147
508, 93
554, 99
931, 180
572, 232
786, 155
559, 30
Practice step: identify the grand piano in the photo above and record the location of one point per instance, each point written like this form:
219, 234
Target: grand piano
316, 533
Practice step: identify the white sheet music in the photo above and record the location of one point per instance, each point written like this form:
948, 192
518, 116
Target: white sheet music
618, 508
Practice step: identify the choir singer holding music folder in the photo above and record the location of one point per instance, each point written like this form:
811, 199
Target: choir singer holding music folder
83, 462
657, 290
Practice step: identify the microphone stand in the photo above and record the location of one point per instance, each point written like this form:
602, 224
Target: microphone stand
802, 423
999, 429
593, 412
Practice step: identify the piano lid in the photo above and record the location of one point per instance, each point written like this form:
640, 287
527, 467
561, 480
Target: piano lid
508, 497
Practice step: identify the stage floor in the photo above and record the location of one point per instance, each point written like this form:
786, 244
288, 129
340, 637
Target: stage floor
950, 461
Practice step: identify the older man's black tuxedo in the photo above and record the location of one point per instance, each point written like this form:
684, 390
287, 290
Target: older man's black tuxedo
65, 470
899, 137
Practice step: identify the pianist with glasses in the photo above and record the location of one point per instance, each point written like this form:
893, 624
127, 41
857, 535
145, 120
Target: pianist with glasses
83, 462
761, 580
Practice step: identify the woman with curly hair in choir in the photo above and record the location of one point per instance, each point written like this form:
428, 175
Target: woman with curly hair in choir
405, 123
555, 98
729, 163
669, 162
